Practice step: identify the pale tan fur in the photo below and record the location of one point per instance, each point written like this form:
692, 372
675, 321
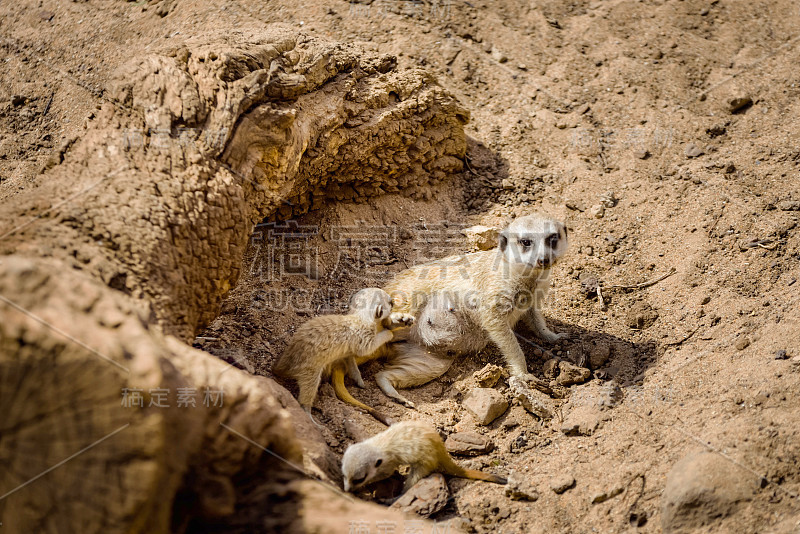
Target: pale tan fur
413, 443
495, 289
323, 341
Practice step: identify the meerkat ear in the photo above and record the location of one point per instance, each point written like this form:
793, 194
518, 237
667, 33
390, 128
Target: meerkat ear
503, 240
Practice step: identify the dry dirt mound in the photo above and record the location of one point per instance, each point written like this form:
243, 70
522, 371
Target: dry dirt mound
147, 239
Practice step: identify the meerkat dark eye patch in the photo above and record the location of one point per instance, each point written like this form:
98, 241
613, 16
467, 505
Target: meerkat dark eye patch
359, 480
525, 242
378, 462
378, 312
552, 240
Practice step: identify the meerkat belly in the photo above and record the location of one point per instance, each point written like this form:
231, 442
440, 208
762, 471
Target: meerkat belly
515, 316
524, 301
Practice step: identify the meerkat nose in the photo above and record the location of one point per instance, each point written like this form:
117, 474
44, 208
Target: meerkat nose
430, 322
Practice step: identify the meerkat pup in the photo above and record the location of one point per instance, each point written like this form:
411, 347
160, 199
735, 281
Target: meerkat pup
445, 326
491, 289
413, 443
325, 341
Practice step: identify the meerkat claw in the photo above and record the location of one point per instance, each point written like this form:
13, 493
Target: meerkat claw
399, 320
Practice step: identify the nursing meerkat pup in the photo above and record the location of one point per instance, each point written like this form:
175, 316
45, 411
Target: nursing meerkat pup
396, 322
413, 443
325, 341
494, 289
445, 326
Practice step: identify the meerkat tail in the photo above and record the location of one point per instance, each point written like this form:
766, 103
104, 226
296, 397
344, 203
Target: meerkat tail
452, 468
337, 378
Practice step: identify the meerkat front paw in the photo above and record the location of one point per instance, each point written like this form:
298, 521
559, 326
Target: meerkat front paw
408, 404
399, 320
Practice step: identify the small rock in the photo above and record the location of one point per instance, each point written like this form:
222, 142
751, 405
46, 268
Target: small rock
781, 355
485, 405
521, 443
609, 199
641, 316
704, 12
739, 104
482, 237
550, 368
581, 422
468, 444
589, 283
603, 496
532, 400
507, 184
742, 343
519, 489
46, 15
562, 483
599, 354
703, 488
693, 151
17, 100
641, 154
572, 374
498, 56
488, 376
426, 497
597, 211
789, 205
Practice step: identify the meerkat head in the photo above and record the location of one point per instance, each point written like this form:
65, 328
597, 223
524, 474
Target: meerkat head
440, 322
534, 241
363, 464
372, 303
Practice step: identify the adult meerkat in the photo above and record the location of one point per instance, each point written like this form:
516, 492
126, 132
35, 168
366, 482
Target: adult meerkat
494, 289
413, 443
329, 340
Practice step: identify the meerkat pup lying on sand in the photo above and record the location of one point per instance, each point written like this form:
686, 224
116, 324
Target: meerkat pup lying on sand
489, 291
413, 443
329, 340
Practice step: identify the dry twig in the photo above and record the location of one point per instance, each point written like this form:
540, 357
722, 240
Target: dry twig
648, 283
686, 337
